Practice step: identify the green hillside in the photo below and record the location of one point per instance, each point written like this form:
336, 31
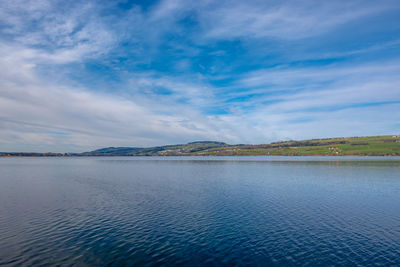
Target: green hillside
170, 150
388, 145
365, 146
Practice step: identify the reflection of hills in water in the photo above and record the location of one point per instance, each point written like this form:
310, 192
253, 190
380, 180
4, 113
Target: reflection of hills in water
275, 160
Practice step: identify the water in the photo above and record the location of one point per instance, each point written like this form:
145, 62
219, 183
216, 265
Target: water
200, 211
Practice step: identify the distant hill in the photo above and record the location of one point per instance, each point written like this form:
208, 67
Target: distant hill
388, 145
170, 150
372, 145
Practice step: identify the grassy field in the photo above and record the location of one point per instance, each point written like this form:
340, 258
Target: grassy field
366, 146
388, 145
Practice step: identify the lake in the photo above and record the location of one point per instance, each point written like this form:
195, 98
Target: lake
213, 211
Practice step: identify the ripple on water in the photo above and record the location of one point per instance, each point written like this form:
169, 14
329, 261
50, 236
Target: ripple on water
163, 212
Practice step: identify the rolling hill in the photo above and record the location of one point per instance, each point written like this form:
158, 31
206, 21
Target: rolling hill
388, 145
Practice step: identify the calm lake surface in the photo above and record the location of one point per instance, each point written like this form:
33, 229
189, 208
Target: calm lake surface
200, 211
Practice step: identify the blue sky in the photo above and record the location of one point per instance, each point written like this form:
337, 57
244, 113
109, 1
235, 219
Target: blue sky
79, 75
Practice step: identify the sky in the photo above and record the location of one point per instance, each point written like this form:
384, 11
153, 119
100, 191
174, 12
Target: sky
80, 75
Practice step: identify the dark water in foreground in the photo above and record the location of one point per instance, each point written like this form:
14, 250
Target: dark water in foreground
200, 211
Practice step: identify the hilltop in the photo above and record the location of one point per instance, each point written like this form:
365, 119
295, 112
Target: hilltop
364, 146
169, 150
388, 145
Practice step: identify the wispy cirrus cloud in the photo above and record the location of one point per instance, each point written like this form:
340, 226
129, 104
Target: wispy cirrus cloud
55, 35
59, 115
86, 74
284, 20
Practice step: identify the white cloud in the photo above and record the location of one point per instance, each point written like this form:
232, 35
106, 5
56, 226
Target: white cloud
47, 117
62, 118
286, 20
379, 76
38, 113
55, 35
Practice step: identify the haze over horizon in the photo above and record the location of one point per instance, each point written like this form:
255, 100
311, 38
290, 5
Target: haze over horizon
76, 76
